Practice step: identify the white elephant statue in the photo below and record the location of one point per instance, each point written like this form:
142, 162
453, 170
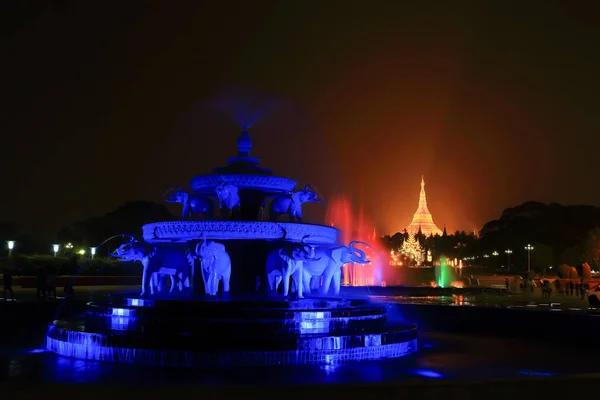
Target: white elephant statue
194, 204
157, 260
327, 266
288, 262
291, 204
228, 195
215, 265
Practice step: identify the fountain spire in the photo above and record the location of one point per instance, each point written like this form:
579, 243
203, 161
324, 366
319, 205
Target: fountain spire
244, 144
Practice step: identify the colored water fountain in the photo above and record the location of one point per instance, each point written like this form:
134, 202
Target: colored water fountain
444, 274
240, 279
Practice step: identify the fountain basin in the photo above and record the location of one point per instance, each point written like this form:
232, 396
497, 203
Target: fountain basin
234, 332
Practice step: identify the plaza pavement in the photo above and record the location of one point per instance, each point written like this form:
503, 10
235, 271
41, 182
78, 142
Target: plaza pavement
532, 301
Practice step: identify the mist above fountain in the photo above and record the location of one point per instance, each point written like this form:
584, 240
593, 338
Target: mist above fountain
225, 284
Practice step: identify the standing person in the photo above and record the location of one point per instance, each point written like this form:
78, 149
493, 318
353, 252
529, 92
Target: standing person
41, 283
571, 288
51, 284
7, 279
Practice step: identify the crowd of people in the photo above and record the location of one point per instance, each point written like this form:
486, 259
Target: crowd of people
46, 281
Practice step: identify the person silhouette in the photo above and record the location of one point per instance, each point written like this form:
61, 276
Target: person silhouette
7, 279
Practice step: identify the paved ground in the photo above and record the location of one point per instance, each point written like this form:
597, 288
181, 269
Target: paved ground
532, 301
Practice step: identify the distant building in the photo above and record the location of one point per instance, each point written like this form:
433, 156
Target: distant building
422, 219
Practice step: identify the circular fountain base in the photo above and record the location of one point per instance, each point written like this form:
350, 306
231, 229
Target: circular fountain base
233, 332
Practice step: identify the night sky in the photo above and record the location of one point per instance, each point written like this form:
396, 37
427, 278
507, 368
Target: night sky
494, 102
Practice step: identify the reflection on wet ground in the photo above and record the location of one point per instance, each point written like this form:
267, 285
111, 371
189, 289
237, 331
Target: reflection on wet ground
568, 304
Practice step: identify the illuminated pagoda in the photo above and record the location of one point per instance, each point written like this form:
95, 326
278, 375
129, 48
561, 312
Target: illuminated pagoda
412, 249
422, 219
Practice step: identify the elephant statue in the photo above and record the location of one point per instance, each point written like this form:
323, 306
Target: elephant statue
191, 204
327, 265
288, 262
291, 204
157, 260
215, 264
228, 196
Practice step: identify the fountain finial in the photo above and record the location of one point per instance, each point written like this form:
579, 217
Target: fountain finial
244, 143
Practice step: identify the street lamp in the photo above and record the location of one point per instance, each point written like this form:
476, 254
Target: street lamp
495, 253
55, 247
93, 251
81, 252
529, 248
508, 252
11, 246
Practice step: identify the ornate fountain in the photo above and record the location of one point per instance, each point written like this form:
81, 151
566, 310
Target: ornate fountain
226, 285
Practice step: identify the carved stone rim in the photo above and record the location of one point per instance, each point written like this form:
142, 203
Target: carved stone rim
268, 183
185, 231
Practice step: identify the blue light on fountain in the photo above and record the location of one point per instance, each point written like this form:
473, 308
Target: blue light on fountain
249, 265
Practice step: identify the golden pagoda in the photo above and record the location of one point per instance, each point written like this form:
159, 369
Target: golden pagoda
422, 219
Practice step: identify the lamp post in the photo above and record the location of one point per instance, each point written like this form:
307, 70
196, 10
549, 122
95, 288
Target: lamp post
55, 247
508, 252
529, 248
11, 246
93, 251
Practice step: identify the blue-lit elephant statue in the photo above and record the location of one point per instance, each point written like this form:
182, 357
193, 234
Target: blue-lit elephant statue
228, 195
291, 204
162, 260
287, 262
215, 264
327, 265
191, 203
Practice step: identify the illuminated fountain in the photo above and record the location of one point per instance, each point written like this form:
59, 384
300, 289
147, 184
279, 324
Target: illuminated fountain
444, 273
225, 285
339, 215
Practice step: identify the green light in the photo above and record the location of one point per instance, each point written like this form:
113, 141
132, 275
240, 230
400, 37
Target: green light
444, 273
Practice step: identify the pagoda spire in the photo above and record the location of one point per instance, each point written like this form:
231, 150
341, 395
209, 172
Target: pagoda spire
422, 220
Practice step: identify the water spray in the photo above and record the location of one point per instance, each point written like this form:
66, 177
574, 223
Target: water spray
88, 258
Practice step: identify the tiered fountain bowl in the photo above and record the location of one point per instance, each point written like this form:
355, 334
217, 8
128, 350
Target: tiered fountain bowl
250, 326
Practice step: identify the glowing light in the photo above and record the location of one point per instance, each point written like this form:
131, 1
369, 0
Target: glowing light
422, 220
535, 373
427, 373
339, 214
411, 248
444, 275
55, 248
93, 251
36, 351
11, 246
495, 253
82, 252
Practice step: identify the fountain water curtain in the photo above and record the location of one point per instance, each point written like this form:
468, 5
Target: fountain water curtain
240, 279
352, 227
444, 273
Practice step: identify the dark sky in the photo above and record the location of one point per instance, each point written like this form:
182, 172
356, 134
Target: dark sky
494, 102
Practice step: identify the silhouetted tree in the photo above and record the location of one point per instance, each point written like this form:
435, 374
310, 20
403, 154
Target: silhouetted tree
591, 247
542, 256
